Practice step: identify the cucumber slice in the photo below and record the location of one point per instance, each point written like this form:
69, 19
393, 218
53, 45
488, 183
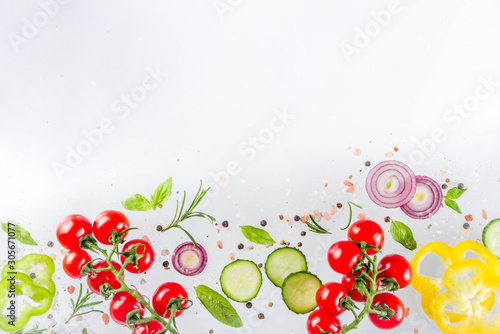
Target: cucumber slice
283, 262
299, 292
491, 237
241, 280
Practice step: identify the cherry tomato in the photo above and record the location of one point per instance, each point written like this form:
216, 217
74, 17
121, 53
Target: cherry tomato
348, 282
318, 319
393, 303
343, 256
74, 261
153, 327
70, 229
107, 221
398, 267
144, 262
164, 293
369, 232
121, 304
98, 278
329, 296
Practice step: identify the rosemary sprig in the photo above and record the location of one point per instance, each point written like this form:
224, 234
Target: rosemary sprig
350, 214
34, 330
81, 302
182, 215
315, 227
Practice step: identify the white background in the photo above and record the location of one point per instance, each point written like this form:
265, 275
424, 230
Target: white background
231, 65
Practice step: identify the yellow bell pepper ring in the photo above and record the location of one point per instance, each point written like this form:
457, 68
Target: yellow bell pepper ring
12, 286
430, 287
469, 284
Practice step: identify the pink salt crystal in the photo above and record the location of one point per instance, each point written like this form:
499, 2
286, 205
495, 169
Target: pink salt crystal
53, 256
326, 215
231, 256
221, 180
415, 331
71, 289
304, 218
468, 218
466, 232
350, 190
64, 252
389, 154
361, 216
348, 184
485, 215
79, 318
316, 213
146, 238
165, 252
105, 318
332, 210
219, 244
407, 312
356, 152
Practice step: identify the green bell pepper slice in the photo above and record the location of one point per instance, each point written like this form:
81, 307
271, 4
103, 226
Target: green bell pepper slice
11, 287
39, 267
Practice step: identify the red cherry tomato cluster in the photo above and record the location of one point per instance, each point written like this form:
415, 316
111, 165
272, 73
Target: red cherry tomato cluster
71, 228
343, 257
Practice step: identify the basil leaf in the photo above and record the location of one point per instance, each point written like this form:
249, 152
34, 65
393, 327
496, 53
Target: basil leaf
218, 306
137, 203
455, 193
403, 234
162, 193
22, 235
452, 204
257, 235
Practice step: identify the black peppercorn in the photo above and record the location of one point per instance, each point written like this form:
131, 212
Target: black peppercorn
444, 186
368, 163
159, 228
339, 205
50, 244
165, 264
261, 316
303, 233
225, 223
461, 186
240, 246
299, 244
263, 223
466, 226
296, 218
387, 219
249, 305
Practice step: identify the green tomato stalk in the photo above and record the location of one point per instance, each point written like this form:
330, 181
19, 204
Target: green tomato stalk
133, 317
368, 290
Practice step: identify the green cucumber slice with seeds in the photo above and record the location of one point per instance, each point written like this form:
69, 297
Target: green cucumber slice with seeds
241, 280
491, 237
283, 262
299, 292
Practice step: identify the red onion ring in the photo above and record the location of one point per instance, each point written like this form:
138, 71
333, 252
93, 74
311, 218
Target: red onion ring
427, 200
391, 184
189, 260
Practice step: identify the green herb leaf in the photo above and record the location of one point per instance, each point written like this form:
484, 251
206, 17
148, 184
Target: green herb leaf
257, 235
218, 306
455, 193
452, 204
21, 234
137, 203
162, 193
403, 234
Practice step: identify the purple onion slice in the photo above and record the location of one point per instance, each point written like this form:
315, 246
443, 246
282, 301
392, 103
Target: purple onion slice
427, 200
189, 260
391, 184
